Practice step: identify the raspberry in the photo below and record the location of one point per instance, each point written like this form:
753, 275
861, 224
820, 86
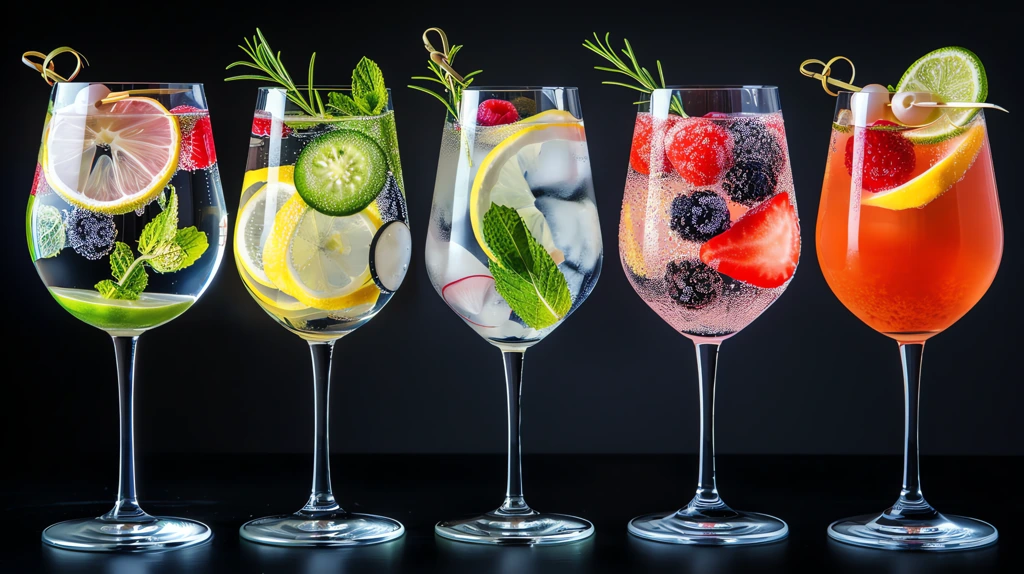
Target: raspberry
700, 150
496, 113
888, 157
197, 151
262, 123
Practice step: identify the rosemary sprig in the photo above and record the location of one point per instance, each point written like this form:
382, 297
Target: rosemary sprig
633, 70
265, 60
453, 84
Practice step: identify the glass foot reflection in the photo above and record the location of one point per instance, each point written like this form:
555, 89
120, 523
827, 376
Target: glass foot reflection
723, 527
337, 529
941, 532
147, 534
528, 528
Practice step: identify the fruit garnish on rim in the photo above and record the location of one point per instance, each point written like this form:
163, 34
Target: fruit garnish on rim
910, 143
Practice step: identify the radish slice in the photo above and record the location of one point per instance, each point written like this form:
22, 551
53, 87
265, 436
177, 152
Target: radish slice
475, 300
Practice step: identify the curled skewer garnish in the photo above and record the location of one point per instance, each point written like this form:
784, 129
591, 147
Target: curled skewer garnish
826, 74
46, 67
441, 65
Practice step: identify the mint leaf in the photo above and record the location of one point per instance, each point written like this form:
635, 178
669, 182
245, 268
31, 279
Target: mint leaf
111, 290
193, 244
161, 230
343, 104
525, 275
121, 260
368, 88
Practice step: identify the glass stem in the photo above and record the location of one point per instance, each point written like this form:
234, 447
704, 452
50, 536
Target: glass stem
514, 501
911, 503
321, 500
707, 366
126, 509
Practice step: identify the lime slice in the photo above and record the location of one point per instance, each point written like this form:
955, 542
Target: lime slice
544, 152
340, 172
953, 74
926, 187
322, 260
114, 158
116, 315
47, 231
251, 233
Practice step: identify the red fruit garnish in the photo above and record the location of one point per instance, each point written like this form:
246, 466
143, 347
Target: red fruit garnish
261, 126
889, 157
197, 151
640, 152
762, 248
496, 113
39, 185
719, 115
700, 150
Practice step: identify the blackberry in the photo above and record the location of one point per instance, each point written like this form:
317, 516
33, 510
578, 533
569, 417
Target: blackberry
699, 216
90, 234
750, 182
753, 141
692, 284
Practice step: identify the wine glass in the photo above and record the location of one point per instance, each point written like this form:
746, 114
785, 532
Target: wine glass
709, 238
513, 248
126, 226
909, 243
322, 259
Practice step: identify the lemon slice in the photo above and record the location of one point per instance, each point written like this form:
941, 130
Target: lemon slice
550, 117
544, 153
924, 188
322, 260
114, 158
251, 231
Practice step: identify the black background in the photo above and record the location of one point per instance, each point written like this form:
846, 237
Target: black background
805, 378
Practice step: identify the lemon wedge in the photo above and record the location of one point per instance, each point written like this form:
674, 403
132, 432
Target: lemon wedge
322, 260
926, 187
112, 159
542, 150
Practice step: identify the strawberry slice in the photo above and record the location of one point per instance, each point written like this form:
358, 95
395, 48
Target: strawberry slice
640, 152
762, 248
261, 125
197, 151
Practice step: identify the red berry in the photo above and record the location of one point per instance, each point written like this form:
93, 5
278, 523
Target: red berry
762, 248
888, 157
718, 115
700, 150
496, 113
197, 151
39, 185
261, 125
640, 152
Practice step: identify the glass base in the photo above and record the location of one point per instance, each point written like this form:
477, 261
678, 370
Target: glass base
937, 533
333, 529
528, 528
710, 527
150, 534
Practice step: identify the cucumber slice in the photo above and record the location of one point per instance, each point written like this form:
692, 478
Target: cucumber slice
340, 172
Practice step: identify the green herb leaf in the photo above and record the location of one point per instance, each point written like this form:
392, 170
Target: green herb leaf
343, 104
525, 275
111, 290
368, 88
129, 277
161, 230
193, 243
632, 69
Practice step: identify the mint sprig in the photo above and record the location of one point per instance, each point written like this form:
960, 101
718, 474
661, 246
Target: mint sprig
162, 246
369, 94
525, 275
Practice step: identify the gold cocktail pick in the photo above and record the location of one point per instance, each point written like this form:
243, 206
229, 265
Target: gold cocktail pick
441, 57
45, 67
825, 75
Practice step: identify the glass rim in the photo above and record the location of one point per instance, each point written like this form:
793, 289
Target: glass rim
317, 87
93, 83
717, 88
517, 88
